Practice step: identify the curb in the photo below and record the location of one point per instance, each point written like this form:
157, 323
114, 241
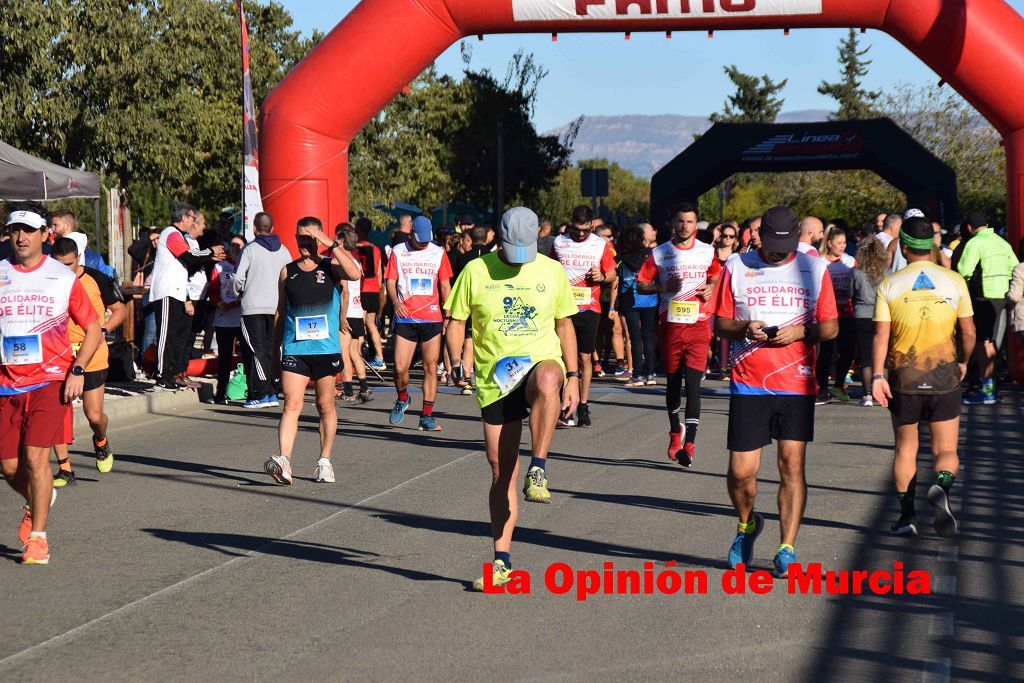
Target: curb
130, 407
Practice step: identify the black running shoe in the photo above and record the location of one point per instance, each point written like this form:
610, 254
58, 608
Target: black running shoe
906, 525
583, 416
945, 523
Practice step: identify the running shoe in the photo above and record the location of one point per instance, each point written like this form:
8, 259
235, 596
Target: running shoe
25, 528
37, 551
280, 468
104, 457
783, 559
467, 389
568, 421
906, 525
840, 393
347, 398
440, 370
742, 549
598, 370
867, 402
63, 479
378, 364
675, 444
270, 401
398, 412
651, 380
980, 398
499, 576
632, 381
429, 424
686, 455
945, 523
583, 416
823, 398
535, 488
620, 369
255, 403
366, 396
324, 472
186, 382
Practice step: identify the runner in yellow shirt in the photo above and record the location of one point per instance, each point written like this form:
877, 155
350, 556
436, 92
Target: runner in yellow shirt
520, 306
916, 314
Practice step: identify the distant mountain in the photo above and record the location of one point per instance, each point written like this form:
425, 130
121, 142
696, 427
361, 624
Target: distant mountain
643, 144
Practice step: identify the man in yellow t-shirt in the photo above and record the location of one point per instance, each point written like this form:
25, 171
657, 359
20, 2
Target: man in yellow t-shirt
519, 305
916, 314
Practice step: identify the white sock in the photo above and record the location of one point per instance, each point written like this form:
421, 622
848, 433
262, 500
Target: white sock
37, 534
323, 461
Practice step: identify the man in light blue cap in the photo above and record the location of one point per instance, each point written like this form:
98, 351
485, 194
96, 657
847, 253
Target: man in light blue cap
418, 280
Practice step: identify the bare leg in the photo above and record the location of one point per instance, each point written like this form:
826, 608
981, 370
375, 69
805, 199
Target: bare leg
586, 373
430, 350
36, 461
370, 318
945, 436
404, 350
346, 343
92, 404
544, 394
793, 490
294, 387
904, 462
502, 447
328, 414
742, 481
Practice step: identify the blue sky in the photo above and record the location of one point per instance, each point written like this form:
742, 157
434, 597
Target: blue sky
594, 74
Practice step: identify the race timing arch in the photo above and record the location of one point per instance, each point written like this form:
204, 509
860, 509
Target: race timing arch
382, 45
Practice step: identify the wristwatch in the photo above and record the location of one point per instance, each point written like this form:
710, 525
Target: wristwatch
335, 244
77, 370
572, 373
877, 377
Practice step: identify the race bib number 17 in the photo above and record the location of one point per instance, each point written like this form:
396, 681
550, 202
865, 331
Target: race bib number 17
311, 328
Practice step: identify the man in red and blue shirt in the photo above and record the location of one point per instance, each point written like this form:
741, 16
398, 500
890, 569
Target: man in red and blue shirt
780, 303
40, 374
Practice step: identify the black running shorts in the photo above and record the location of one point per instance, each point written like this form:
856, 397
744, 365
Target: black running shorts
314, 367
358, 327
908, 409
586, 323
512, 407
755, 420
418, 332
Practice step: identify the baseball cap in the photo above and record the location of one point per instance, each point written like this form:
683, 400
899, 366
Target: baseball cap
423, 230
80, 241
780, 230
913, 213
27, 218
975, 219
518, 236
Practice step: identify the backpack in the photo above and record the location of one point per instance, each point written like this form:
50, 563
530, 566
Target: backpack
237, 386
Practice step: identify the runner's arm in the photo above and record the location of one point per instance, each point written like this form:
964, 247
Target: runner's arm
647, 278
880, 390
344, 301
968, 338
282, 308
118, 314
454, 336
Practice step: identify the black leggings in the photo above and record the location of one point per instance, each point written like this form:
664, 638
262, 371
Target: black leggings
673, 398
641, 322
844, 343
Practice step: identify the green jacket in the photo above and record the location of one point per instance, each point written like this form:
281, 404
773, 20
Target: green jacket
996, 259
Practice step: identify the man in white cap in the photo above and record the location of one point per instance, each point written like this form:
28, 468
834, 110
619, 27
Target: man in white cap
520, 306
40, 374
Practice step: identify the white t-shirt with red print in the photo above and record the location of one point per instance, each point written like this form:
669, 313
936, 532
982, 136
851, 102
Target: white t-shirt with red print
693, 266
797, 292
416, 275
35, 306
578, 258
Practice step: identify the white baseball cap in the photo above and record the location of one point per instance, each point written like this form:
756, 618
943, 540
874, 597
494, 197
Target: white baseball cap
29, 218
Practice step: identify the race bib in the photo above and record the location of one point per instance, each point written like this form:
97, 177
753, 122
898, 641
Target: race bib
311, 328
510, 371
22, 350
683, 311
581, 295
419, 286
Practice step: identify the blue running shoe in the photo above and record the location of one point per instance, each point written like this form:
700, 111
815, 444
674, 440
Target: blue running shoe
398, 412
742, 549
378, 364
785, 557
255, 403
429, 424
979, 398
270, 401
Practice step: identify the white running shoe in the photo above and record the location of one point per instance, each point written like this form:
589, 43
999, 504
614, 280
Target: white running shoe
280, 468
324, 472
867, 402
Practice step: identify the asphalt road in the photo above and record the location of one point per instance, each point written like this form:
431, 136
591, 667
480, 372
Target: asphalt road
187, 563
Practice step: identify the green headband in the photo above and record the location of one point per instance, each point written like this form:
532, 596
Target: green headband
921, 243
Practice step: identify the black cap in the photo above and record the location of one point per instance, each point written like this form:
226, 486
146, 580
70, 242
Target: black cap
780, 230
975, 219
466, 219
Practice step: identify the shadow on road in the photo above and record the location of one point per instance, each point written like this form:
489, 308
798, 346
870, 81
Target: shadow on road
241, 545
972, 626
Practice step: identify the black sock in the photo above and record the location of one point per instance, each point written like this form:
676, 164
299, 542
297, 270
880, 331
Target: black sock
945, 479
362, 384
504, 557
673, 399
674, 425
691, 431
906, 499
348, 388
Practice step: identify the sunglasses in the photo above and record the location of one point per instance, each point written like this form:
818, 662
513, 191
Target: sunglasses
727, 236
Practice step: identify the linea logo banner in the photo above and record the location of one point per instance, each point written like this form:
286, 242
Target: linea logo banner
582, 10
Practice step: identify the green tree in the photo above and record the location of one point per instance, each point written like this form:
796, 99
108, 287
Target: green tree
627, 194
854, 101
756, 99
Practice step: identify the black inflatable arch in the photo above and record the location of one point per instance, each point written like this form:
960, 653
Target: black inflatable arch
877, 145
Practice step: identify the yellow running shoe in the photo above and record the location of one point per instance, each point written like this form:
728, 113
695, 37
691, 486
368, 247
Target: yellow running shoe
37, 551
499, 576
104, 458
535, 488
64, 478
